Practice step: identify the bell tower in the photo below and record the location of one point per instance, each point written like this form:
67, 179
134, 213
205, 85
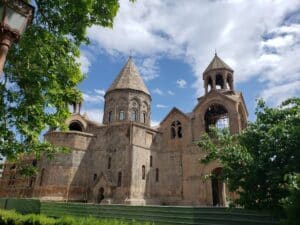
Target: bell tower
221, 106
218, 76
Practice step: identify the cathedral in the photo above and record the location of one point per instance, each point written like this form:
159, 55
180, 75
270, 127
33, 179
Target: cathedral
124, 160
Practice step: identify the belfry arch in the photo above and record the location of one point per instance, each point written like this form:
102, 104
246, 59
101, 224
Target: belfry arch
76, 126
216, 115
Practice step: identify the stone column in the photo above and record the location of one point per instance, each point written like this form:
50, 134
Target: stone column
213, 82
225, 81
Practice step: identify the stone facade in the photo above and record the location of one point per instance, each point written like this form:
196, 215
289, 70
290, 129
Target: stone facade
126, 161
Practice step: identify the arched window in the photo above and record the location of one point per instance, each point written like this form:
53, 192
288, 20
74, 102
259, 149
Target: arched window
151, 160
176, 129
109, 163
143, 117
217, 116
34, 163
121, 115
173, 131
76, 125
119, 179
95, 177
156, 174
110, 116
133, 116
42, 176
143, 172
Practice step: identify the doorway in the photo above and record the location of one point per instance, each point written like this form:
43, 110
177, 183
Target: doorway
217, 187
100, 195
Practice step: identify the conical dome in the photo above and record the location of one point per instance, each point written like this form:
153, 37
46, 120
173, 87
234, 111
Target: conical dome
217, 63
129, 78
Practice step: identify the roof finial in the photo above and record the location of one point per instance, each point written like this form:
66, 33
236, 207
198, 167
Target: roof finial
215, 52
130, 54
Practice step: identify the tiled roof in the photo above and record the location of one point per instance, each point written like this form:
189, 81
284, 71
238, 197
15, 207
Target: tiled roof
217, 63
129, 78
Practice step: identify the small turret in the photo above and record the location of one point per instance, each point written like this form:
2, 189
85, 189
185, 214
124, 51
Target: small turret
218, 76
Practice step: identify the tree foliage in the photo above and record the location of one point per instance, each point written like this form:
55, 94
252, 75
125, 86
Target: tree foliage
42, 71
258, 163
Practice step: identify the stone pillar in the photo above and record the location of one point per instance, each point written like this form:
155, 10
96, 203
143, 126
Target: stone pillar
213, 82
225, 81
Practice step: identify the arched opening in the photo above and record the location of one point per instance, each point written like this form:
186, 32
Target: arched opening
216, 116
76, 125
217, 186
219, 81
34, 163
100, 195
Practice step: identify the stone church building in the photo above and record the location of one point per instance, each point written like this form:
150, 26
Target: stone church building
124, 160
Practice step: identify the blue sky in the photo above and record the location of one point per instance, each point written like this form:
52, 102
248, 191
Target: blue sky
172, 42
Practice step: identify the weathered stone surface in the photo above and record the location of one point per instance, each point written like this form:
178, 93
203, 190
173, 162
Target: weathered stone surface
128, 162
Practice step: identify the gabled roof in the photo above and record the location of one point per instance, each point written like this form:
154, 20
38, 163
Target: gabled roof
174, 109
129, 78
217, 63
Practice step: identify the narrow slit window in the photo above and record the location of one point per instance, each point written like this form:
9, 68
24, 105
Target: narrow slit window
151, 161
109, 163
119, 179
143, 172
157, 175
110, 116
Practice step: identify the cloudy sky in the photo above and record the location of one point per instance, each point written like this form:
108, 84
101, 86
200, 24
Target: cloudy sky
172, 42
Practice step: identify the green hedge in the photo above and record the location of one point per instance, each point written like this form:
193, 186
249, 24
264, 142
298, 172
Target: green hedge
8, 217
24, 206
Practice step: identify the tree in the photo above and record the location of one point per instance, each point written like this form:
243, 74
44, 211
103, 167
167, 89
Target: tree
41, 73
258, 162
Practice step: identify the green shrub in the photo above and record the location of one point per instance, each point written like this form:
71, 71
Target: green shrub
9, 217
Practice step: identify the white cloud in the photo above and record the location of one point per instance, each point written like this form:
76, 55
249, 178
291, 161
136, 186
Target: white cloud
94, 114
148, 69
171, 92
85, 63
157, 91
251, 36
181, 83
100, 91
276, 94
92, 98
154, 123
280, 41
161, 106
